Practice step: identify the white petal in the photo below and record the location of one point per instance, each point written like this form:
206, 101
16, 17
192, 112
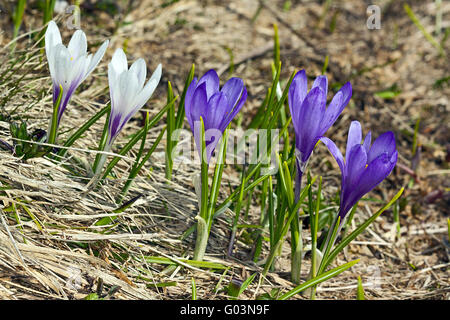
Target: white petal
97, 57
113, 80
62, 65
119, 61
149, 88
140, 69
52, 36
77, 71
128, 89
78, 44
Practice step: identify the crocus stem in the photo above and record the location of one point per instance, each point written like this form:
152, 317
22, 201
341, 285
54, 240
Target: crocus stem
102, 159
202, 218
296, 235
53, 128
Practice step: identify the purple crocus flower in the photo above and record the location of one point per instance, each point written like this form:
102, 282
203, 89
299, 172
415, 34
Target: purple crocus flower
310, 117
365, 166
216, 106
69, 66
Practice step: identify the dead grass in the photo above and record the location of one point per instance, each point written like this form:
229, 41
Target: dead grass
50, 247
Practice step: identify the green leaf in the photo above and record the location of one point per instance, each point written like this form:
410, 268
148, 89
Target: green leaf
360, 290
235, 290
389, 93
194, 289
92, 296
359, 230
321, 278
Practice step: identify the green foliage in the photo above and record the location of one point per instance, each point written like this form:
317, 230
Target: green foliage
236, 287
26, 145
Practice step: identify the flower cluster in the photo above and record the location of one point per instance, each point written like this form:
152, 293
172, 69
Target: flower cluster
70, 66
205, 101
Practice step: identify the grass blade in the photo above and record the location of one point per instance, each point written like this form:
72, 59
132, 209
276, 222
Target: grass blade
321, 278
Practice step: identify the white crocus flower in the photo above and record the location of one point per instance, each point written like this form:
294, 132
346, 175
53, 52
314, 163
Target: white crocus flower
128, 95
69, 66
127, 90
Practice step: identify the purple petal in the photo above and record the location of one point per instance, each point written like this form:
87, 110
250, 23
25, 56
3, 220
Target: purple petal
188, 98
297, 93
337, 105
346, 93
355, 166
67, 95
311, 115
383, 144
198, 105
367, 142
354, 138
211, 79
233, 89
215, 113
230, 116
114, 126
322, 83
335, 152
212, 138
374, 174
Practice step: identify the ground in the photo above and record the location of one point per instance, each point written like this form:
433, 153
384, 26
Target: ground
51, 244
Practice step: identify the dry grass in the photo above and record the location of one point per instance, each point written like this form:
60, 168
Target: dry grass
50, 247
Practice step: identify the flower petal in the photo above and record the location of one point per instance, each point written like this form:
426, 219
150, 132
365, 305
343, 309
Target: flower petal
297, 93
233, 89
140, 68
372, 176
355, 166
199, 104
335, 152
52, 37
354, 138
62, 63
98, 56
337, 105
230, 115
311, 115
215, 112
322, 83
77, 45
212, 82
367, 142
385, 143
188, 100
119, 61
148, 90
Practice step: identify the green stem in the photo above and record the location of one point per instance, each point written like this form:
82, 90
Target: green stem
202, 224
135, 171
62, 152
54, 122
101, 158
